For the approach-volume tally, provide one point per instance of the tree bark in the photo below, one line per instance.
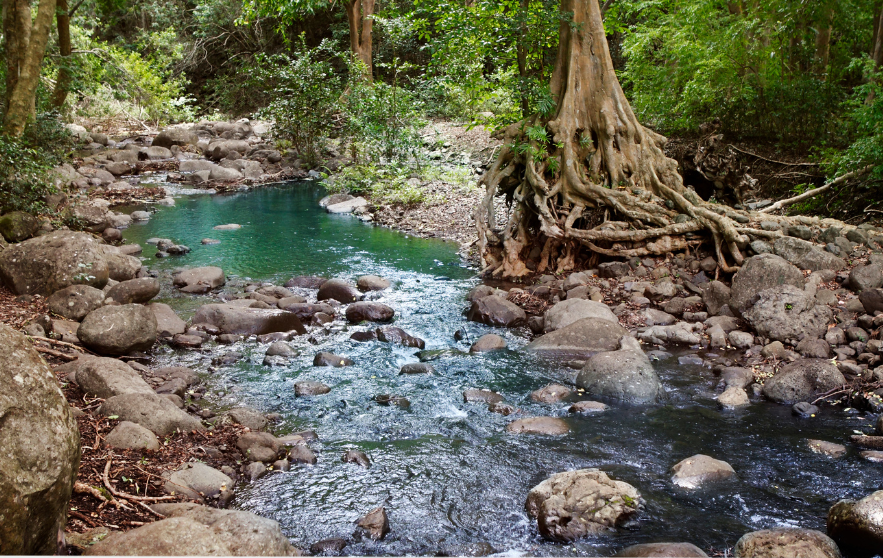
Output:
(21, 101)
(823, 41)
(63, 83)
(359, 16)
(877, 52)
(17, 30)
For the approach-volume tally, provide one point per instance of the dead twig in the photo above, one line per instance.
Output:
(57, 354)
(816, 191)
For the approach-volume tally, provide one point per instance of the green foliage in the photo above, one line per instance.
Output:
(305, 91)
(390, 184)
(864, 115)
(25, 164)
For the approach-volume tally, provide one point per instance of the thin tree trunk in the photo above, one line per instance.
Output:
(877, 52)
(521, 55)
(17, 30)
(358, 15)
(63, 83)
(823, 41)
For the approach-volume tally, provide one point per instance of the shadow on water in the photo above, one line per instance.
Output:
(446, 471)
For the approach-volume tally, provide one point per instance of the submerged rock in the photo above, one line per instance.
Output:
(489, 342)
(375, 523)
(330, 359)
(357, 457)
(496, 311)
(552, 393)
(575, 504)
(625, 375)
(698, 470)
(802, 380)
(548, 426)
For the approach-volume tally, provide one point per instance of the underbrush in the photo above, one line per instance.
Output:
(398, 184)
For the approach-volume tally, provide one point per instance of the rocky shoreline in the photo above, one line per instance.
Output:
(799, 324)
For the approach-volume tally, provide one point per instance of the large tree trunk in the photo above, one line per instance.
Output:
(823, 41)
(17, 31)
(877, 50)
(358, 15)
(595, 156)
(63, 83)
(21, 99)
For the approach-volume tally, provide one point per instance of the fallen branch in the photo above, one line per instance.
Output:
(773, 160)
(82, 517)
(134, 499)
(57, 354)
(58, 343)
(816, 191)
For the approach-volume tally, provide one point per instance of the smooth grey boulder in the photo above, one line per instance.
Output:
(372, 283)
(695, 471)
(259, 446)
(575, 504)
(786, 313)
(858, 524)
(200, 279)
(569, 311)
(339, 290)
(152, 411)
(624, 375)
(872, 300)
(75, 302)
(802, 380)
(760, 273)
(120, 267)
(488, 342)
(40, 450)
(864, 277)
(168, 323)
(307, 388)
(119, 330)
(806, 255)
(106, 377)
(248, 417)
(783, 543)
(496, 311)
(128, 435)
(48, 263)
(175, 136)
(134, 291)
(248, 321)
(582, 338)
(197, 481)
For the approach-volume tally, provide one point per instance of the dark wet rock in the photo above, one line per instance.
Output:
(200, 279)
(41, 450)
(328, 547)
(698, 470)
(481, 291)
(804, 410)
(75, 302)
(587, 407)
(200, 530)
(575, 504)
(255, 470)
(280, 348)
(51, 262)
(552, 393)
(330, 359)
(481, 396)
(871, 300)
(247, 321)
(369, 311)
(386, 400)
(258, 446)
(489, 342)
(106, 377)
(305, 311)
(197, 481)
(400, 337)
(417, 368)
(502, 408)
(857, 525)
(732, 398)
(152, 411)
(375, 523)
(546, 426)
(624, 375)
(582, 338)
(305, 282)
(611, 270)
(301, 453)
(186, 341)
(661, 550)
(372, 283)
(339, 290)
(784, 542)
(803, 379)
(788, 313)
(363, 336)
(569, 311)
(826, 448)
(496, 311)
(119, 330)
(357, 457)
(307, 388)
(227, 359)
(134, 291)
(760, 273)
(806, 255)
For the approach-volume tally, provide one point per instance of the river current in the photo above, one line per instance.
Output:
(446, 471)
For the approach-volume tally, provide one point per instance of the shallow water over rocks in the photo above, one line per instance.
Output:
(446, 471)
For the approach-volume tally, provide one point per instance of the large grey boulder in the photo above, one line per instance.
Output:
(197, 481)
(806, 255)
(154, 412)
(568, 311)
(624, 375)
(167, 537)
(137, 291)
(118, 330)
(51, 262)
(247, 321)
(40, 450)
(167, 321)
(496, 311)
(786, 313)
(802, 380)
(106, 377)
(858, 524)
(574, 504)
(699, 469)
(582, 338)
(864, 277)
(175, 136)
(760, 273)
(783, 543)
(120, 267)
(75, 302)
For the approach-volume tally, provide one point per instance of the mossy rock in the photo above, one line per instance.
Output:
(18, 226)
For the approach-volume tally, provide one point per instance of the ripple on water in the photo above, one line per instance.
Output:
(446, 470)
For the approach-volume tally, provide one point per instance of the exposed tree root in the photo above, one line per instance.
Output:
(593, 154)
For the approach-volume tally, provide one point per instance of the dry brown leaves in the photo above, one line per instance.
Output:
(19, 314)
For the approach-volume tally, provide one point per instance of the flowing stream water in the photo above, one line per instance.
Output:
(446, 471)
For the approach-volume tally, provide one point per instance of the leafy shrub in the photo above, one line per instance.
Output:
(391, 184)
